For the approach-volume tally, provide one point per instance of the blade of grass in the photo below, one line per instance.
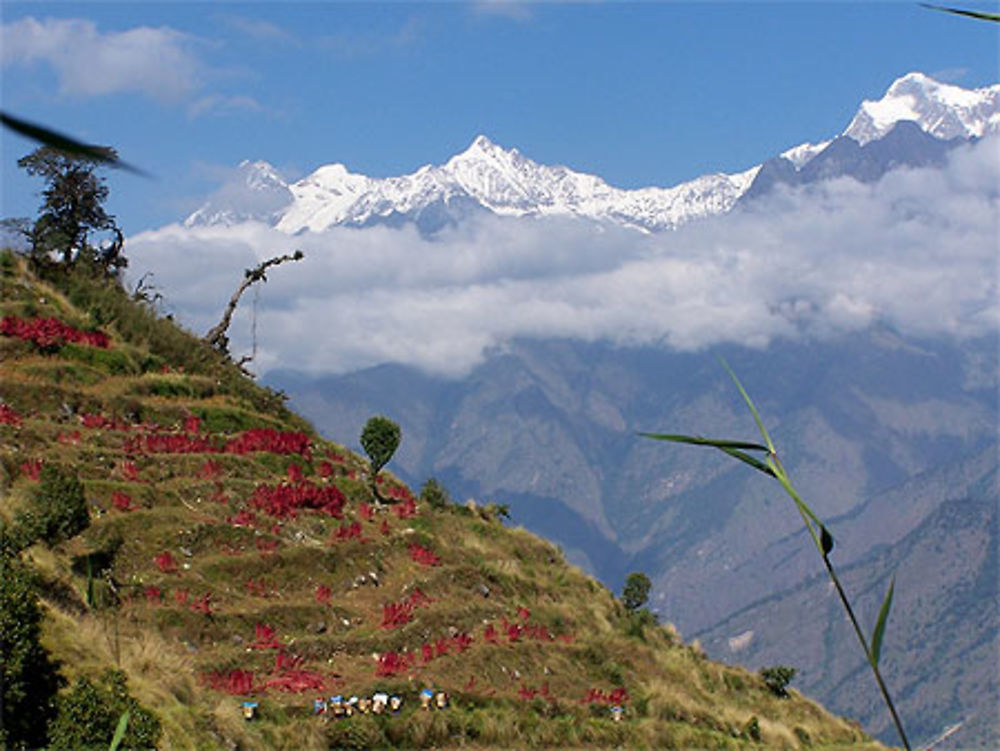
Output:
(883, 616)
(995, 17)
(750, 404)
(733, 448)
(824, 540)
(116, 741)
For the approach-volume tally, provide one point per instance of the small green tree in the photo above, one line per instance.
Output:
(28, 677)
(434, 494)
(73, 208)
(89, 713)
(635, 593)
(777, 678)
(380, 439)
(57, 510)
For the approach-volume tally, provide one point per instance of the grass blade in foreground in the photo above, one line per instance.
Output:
(771, 465)
(995, 17)
(120, 731)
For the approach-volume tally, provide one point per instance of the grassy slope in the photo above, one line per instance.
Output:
(155, 374)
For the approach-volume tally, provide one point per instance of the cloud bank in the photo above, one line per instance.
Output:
(157, 62)
(916, 251)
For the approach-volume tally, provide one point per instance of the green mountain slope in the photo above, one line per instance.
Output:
(233, 555)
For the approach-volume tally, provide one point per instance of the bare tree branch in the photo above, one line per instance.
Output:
(216, 337)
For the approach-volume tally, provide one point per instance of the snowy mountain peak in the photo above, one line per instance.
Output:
(943, 110)
(260, 175)
(255, 193)
(488, 177)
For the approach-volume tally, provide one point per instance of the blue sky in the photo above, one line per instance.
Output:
(639, 93)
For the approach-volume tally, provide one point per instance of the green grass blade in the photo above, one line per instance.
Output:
(734, 448)
(116, 741)
(65, 144)
(751, 460)
(995, 17)
(826, 540)
(750, 404)
(883, 616)
(699, 441)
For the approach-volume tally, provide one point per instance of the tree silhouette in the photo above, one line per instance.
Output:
(72, 209)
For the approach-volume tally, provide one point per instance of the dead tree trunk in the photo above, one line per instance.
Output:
(216, 337)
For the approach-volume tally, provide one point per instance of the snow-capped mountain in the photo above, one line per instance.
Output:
(487, 177)
(942, 110)
(257, 192)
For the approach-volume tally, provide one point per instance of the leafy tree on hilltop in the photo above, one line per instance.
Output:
(777, 678)
(72, 208)
(380, 439)
(635, 594)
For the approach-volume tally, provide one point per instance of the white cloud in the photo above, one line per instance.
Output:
(514, 10)
(916, 250)
(219, 103)
(157, 62)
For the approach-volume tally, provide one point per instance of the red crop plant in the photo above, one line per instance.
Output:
(617, 697)
(100, 422)
(166, 563)
(350, 531)
(395, 614)
(209, 470)
(265, 638)
(393, 663)
(32, 469)
(8, 416)
(121, 501)
(323, 594)
(153, 595)
(49, 334)
(272, 441)
(285, 500)
(405, 510)
(235, 682)
(129, 471)
(203, 604)
(423, 556)
(243, 518)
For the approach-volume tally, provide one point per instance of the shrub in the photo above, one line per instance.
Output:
(28, 678)
(360, 731)
(57, 510)
(751, 730)
(635, 593)
(434, 494)
(777, 678)
(89, 714)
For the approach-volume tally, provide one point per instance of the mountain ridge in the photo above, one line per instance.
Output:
(487, 177)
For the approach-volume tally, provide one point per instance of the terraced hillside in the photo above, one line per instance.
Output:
(233, 555)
